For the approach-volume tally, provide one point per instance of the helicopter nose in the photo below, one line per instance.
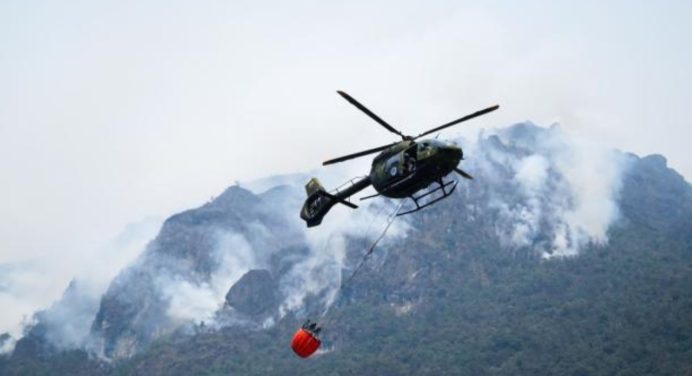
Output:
(453, 153)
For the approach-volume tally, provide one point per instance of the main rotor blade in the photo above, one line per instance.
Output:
(369, 113)
(356, 155)
(463, 173)
(457, 121)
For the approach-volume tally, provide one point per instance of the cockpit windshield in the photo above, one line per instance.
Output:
(423, 145)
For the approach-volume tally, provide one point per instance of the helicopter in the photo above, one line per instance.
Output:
(401, 170)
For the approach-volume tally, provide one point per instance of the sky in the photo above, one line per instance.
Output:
(116, 114)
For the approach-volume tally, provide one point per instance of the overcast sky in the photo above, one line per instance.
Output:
(112, 112)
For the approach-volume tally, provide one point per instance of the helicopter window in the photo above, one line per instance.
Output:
(393, 165)
(437, 143)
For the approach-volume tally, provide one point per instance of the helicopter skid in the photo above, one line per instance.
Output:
(445, 193)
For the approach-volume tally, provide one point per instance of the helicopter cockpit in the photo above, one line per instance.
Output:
(402, 164)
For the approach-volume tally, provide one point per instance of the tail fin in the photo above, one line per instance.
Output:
(313, 186)
(318, 203)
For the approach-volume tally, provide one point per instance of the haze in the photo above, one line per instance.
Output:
(117, 112)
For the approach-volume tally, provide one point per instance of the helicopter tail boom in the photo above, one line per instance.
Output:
(319, 201)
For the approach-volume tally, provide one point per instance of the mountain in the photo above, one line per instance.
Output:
(193, 250)
(558, 259)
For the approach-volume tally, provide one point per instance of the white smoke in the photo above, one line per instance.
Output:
(319, 274)
(189, 301)
(67, 320)
(552, 192)
(566, 186)
(20, 293)
(7, 345)
(316, 273)
(198, 301)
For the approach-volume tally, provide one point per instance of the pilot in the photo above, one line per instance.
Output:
(409, 163)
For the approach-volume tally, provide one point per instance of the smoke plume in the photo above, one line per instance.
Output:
(553, 192)
(549, 192)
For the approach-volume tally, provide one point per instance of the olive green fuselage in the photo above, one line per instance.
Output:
(407, 167)
(398, 172)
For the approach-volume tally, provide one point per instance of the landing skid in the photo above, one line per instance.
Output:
(445, 193)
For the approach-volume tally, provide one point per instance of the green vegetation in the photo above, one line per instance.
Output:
(450, 300)
(624, 309)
